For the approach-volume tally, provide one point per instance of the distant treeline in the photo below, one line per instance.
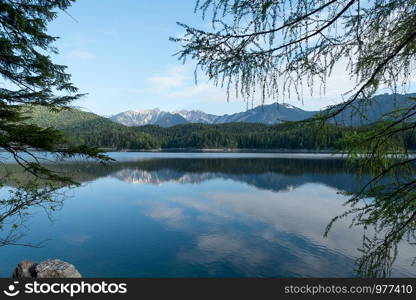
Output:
(87, 128)
(243, 136)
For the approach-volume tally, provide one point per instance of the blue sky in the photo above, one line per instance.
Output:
(120, 54)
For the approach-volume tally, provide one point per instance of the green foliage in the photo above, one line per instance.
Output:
(81, 128)
(244, 136)
(90, 129)
(30, 77)
(279, 47)
(87, 128)
(24, 62)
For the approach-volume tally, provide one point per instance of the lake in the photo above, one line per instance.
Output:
(201, 215)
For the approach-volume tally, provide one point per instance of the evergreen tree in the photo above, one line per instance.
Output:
(30, 77)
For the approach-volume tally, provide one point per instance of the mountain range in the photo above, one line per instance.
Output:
(237, 131)
(266, 114)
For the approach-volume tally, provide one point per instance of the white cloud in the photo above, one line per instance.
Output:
(165, 82)
(81, 54)
(191, 91)
(277, 211)
(173, 77)
(214, 247)
(177, 82)
(166, 213)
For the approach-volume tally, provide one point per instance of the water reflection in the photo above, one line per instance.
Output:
(267, 174)
(210, 217)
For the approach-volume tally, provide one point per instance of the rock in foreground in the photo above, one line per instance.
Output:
(25, 269)
(52, 268)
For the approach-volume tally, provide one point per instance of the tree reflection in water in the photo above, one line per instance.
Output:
(18, 200)
(385, 208)
(386, 204)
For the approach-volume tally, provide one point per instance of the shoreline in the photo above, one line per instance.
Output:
(223, 150)
(217, 150)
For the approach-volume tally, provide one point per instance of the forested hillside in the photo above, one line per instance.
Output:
(243, 136)
(87, 128)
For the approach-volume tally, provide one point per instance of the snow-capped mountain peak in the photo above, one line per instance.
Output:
(267, 114)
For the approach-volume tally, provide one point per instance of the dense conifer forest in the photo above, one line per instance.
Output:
(87, 128)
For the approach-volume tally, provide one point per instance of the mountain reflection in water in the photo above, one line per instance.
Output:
(202, 217)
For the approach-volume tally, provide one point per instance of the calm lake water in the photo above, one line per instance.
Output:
(201, 215)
